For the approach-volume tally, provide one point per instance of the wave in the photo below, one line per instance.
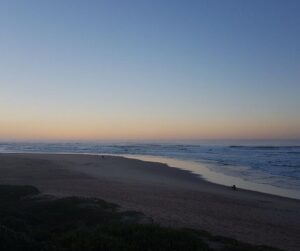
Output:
(264, 147)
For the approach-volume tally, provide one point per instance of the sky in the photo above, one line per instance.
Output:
(72, 70)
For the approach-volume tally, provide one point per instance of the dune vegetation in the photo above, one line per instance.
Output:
(31, 221)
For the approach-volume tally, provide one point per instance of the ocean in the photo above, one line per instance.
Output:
(268, 166)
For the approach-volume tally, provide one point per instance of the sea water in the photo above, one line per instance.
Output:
(264, 165)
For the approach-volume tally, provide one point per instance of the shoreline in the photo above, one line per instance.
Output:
(202, 170)
(199, 169)
(171, 196)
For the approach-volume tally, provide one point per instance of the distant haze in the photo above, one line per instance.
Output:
(159, 70)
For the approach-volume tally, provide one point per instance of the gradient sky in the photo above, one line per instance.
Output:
(149, 69)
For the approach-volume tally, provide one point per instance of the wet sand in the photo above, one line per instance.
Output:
(172, 197)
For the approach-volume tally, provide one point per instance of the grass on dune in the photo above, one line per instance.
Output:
(35, 222)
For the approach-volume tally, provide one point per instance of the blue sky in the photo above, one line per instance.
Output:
(150, 69)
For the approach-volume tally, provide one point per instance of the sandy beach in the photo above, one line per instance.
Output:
(170, 196)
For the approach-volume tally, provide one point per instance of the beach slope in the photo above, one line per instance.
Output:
(170, 196)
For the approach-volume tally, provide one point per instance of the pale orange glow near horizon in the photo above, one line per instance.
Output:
(143, 129)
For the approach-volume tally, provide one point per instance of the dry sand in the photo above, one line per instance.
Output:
(171, 196)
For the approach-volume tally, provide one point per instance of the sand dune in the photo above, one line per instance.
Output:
(170, 196)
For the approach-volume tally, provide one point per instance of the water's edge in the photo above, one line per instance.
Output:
(260, 166)
(207, 173)
(202, 169)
